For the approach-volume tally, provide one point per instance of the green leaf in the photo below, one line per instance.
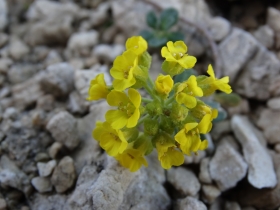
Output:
(176, 36)
(228, 100)
(213, 104)
(146, 34)
(151, 19)
(168, 18)
(157, 41)
(185, 75)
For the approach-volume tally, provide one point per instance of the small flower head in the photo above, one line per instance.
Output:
(128, 112)
(187, 92)
(122, 70)
(132, 159)
(164, 84)
(176, 52)
(220, 84)
(111, 140)
(98, 88)
(189, 136)
(136, 44)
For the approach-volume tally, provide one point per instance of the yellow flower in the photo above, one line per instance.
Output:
(164, 84)
(136, 44)
(132, 159)
(187, 91)
(168, 155)
(122, 70)
(111, 140)
(189, 136)
(202, 109)
(128, 108)
(98, 88)
(220, 84)
(176, 52)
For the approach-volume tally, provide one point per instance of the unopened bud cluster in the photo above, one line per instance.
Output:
(171, 120)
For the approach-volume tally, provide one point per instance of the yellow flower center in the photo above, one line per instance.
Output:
(126, 72)
(177, 56)
(127, 108)
(115, 137)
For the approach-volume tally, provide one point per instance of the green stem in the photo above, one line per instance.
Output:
(142, 119)
(168, 101)
(147, 100)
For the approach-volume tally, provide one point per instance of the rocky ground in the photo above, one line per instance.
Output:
(50, 50)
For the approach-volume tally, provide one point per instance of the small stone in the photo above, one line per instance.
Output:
(274, 103)
(232, 206)
(204, 175)
(76, 103)
(18, 49)
(63, 127)
(273, 19)
(241, 108)
(3, 204)
(80, 40)
(108, 53)
(189, 203)
(219, 28)
(45, 169)
(54, 149)
(265, 35)
(184, 181)
(3, 39)
(64, 175)
(220, 128)
(227, 166)
(53, 57)
(5, 63)
(41, 156)
(235, 50)
(58, 79)
(261, 172)
(100, 14)
(46, 102)
(3, 14)
(21, 72)
(42, 184)
(210, 193)
(277, 148)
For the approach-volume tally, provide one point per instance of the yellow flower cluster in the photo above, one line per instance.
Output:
(171, 120)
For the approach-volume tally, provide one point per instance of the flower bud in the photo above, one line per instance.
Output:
(151, 126)
(154, 109)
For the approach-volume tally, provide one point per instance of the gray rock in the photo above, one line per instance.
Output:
(58, 79)
(265, 35)
(17, 48)
(227, 166)
(241, 108)
(48, 202)
(108, 53)
(54, 149)
(3, 14)
(261, 173)
(21, 72)
(101, 191)
(64, 175)
(3, 39)
(219, 28)
(53, 57)
(45, 9)
(12, 176)
(210, 193)
(46, 103)
(269, 122)
(27, 93)
(3, 204)
(45, 169)
(235, 51)
(195, 158)
(50, 31)
(220, 128)
(277, 148)
(63, 127)
(274, 103)
(184, 181)
(204, 175)
(259, 75)
(232, 206)
(5, 63)
(189, 203)
(139, 195)
(80, 40)
(83, 78)
(99, 15)
(42, 184)
(77, 104)
(273, 18)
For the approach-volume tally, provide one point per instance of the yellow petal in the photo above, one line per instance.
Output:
(197, 91)
(188, 100)
(134, 97)
(180, 45)
(190, 126)
(187, 61)
(210, 71)
(205, 124)
(96, 133)
(114, 98)
(121, 85)
(118, 119)
(132, 121)
(167, 55)
(137, 44)
(203, 145)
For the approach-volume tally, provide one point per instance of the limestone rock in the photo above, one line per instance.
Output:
(219, 28)
(58, 79)
(45, 169)
(274, 103)
(261, 173)
(189, 203)
(210, 193)
(273, 18)
(63, 127)
(80, 40)
(108, 53)
(54, 149)
(204, 174)
(265, 35)
(42, 184)
(17, 48)
(64, 175)
(3, 14)
(184, 181)
(235, 50)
